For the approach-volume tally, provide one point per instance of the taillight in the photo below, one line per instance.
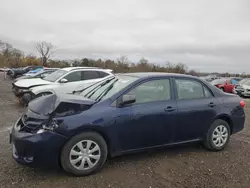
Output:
(242, 104)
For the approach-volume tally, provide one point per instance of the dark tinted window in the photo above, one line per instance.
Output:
(102, 74)
(151, 91)
(88, 75)
(74, 76)
(191, 89)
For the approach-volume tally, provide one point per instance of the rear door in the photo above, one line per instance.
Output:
(196, 109)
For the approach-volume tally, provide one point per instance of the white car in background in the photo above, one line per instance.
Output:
(64, 80)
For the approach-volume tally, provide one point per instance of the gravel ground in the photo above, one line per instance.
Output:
(183, 166)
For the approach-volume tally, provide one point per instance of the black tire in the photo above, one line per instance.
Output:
(26, 98)
(222, 89)
(65, 154)
(208, 141)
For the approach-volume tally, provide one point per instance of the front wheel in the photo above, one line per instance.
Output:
(84, 154)
(218, 136)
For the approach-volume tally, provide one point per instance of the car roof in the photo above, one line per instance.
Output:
(76, 68)
(155, 74)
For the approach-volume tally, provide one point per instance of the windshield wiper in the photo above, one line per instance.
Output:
(99, 97)
(92, 92)
(81, 90)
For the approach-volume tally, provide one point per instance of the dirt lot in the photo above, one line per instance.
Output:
(184, 166)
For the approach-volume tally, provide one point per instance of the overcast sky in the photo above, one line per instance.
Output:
(206, 35)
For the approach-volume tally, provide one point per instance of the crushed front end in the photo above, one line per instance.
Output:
(23, 94)
(34, 147)
(36, 137)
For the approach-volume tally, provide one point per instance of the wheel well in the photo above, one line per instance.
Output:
(87, 130)
(101, 133)
(45, 92)
(229, 121)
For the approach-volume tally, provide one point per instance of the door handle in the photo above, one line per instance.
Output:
(211, 104)
(169, 109)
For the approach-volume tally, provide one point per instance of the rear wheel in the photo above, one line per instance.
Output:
(84, 154)
(218, 136)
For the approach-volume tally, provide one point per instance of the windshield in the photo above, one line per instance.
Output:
(55, 75)
(107, 88)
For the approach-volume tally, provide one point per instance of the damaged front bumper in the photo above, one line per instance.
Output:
(35, 149)
(23, 94)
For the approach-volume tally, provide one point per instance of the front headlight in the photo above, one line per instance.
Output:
(51, 126)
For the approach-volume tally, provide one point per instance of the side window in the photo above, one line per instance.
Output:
(88, 75)
(207, 93)
(191, 89)
(74, 76)
(102, 74)
(151, 91)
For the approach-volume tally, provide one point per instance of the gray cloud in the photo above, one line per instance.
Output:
(206, 35)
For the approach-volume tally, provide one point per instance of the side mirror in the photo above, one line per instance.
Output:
(127, 99)
(63, 80)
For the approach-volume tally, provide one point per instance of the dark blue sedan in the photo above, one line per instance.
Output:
(122, 114)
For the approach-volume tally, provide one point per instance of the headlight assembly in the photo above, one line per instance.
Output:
(51, 126)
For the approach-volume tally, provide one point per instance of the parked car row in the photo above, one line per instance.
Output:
(17, 72)
(64, 80)
(243, 88)
(39, 73)
(226, 84)
(79, 116)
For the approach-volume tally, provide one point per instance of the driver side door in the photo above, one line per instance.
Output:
(149, 121)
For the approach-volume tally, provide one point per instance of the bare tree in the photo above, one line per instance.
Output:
(7, 51)
(17, 55)
(45, 50)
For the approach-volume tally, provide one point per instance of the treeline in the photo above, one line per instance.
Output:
(12, 57)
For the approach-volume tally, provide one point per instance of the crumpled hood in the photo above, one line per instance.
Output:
(44, 88)
(27, 83)
(46, 105)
